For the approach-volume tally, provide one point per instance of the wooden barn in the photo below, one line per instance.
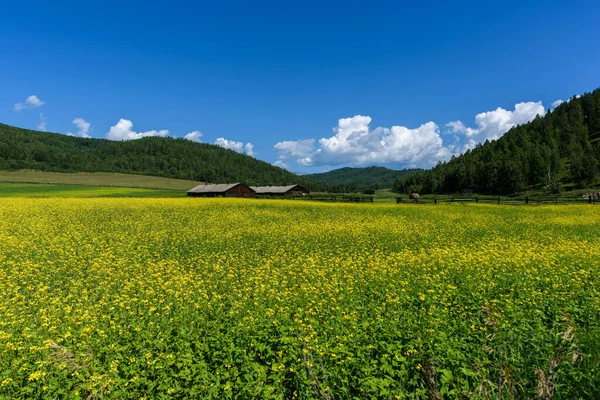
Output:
(221, 189)
(292, 190)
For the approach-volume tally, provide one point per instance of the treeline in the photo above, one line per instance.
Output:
(561, 148)
(361, 179)
(167, 157)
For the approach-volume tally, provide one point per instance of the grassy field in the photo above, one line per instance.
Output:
(97, 179)
(227, 298)
(386, 196)
(64, 191)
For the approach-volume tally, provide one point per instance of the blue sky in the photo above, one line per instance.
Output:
(309, 85)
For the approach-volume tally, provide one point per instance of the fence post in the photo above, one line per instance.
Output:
(476, 199)
(556, 200)
(498, 199)
(434, 201)
(526, 199)
(453, 199)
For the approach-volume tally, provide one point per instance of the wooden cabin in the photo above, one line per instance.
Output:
(292, 190)
(221, 189)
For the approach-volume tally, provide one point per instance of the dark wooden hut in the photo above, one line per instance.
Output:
(291, 190)
(221, 189)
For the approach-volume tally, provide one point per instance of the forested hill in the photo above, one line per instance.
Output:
(558, 150)
(168, 157)
(363, 178)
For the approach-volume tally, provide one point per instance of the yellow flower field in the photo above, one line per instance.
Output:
(225, 298)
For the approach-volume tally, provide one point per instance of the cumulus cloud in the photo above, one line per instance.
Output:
(240, 147)
(83, 128)
(42, 125)
(230, 144)
(493, 124)
(123, 131)
(455, 127)
(30, 103)
(355, 143)
(296, 148)
(305, 161)
(249, 149)
(557, 103)
(194, 136)
(293, 149)
(281, 164)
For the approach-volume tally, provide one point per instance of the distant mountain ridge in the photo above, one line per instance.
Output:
(558, 150)
(363, 178)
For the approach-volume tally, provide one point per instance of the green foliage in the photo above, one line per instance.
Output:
(220, 298)
(166, 157)
(97, 179)
(358, 179)
(561, 148)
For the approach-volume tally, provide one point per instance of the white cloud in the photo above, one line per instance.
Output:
(281, 164)
(194, 136)
(42, 125)
(30, 103)
(456, 127)
(230, 144)
(248, 148)
(83, 128)
(122, 131)
(351, 137)
(298, 149)
(493, 124)
(557, 103)
(294, 148)
(305, 161)
(458, 148)
(355, 143)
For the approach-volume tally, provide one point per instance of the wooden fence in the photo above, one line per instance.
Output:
(335, 198)
(341, 198)
(503, 200)
(345, 198)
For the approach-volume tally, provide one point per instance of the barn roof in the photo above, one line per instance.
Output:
(273, 189)
(213, 188)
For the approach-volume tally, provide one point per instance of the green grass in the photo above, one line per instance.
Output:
(386, 196)
(8, 189)
(97, 179)
(89, 184)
